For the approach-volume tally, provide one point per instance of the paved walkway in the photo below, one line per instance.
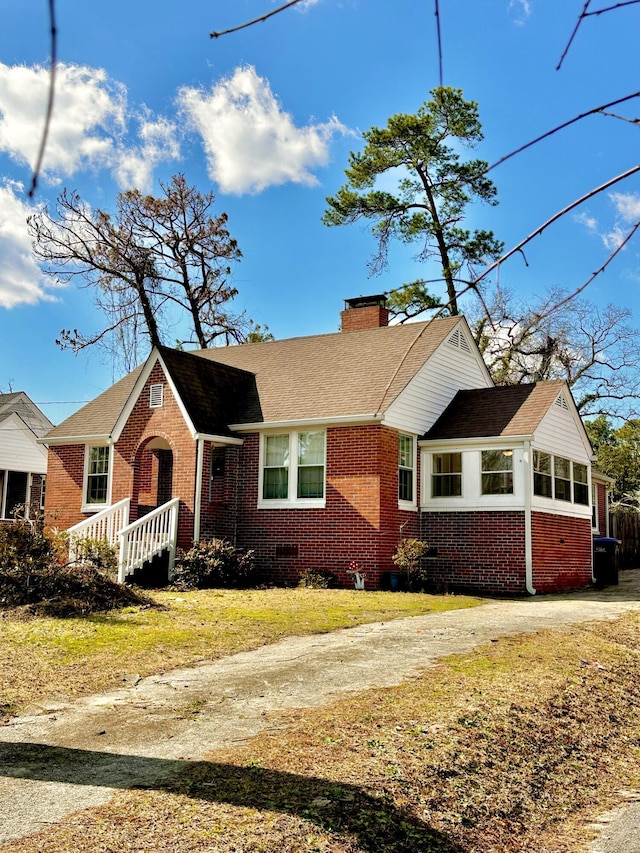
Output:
(71, 757)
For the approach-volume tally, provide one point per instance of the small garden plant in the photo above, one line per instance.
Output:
(214, 563)
(407, 558)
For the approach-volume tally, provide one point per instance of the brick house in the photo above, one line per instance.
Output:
(318, 451)
(23, 461)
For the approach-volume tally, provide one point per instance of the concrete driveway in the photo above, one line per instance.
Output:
(66, 758)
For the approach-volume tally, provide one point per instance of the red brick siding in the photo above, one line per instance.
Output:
(602, 508)
(360, 522)
(65, 469)
(131, 476)
(369, 317)
(476, 551)
(562, 557)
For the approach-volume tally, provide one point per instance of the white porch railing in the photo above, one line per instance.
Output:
(104, 525)
(141, 540)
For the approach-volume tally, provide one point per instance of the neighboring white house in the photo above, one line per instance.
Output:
(23, 461)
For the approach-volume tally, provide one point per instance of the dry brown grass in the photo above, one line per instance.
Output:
(51, 659)
(511, 749)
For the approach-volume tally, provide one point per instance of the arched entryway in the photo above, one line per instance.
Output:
(153, 476)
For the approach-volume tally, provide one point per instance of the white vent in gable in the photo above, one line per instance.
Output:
(155, 396)
(459, 341)
(561, 402)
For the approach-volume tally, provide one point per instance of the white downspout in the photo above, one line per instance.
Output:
(198, 495)
(528, 537)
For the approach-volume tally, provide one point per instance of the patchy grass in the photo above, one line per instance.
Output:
(49, 659)
(512, 749)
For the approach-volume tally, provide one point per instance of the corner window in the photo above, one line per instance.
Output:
(542, 483)
(293, 467)
(580, 484)
(97, 477)
(497, 472)
(446, 476)
(562, 478)
(406, 469)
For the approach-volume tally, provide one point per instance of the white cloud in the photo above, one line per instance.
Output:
(88, 126)
(159, 142)
(627, 208)
(21, 281)
(519, 10)
(89, 112)
(250, 141)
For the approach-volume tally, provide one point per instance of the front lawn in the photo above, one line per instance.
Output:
(46, 659)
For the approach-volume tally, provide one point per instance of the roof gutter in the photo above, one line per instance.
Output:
(342, 420)
(217, 439)
(528, 534)
(77, 439)
(481, 441)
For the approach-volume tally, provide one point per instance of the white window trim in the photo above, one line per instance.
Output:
(292, 502)
(559, 502)
(87, 507)
(411, 505)
(595, 506)
(508, 452)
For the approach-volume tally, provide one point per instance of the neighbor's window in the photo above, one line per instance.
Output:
(405, 468)
(446, 475)
(561, 478)
(497, 472)
(542, 481)
(97, 475)
(293, 467)
(580, 484)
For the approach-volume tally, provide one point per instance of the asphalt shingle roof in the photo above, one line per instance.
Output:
(483, 412)
(307, 378)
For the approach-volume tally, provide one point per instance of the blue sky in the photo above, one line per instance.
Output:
(266, 118)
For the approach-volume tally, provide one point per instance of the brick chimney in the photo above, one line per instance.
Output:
(365, 312)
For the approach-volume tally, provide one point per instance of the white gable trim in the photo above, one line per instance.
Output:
(154, 358)
(25, 454)
(454, 365)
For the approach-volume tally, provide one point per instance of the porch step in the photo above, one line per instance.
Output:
(152, 573)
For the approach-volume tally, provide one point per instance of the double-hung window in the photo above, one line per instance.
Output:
(97, 476)
(293, 467)
(562, 478)
(580, 484)
(497, 472)
(406, 469)
(542, 480)
(446, 475)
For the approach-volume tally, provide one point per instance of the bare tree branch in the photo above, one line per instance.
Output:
(589, 14)
(553, 219)
(259, 20)
(598, 271)
(437, 14)
(52, 86)
(573, 34)
(611, 8)
(565, 124)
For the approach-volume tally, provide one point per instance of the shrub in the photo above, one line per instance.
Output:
(34, 573)
(407, 558)
(213, 563)
(98, 554)
(316, 579)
